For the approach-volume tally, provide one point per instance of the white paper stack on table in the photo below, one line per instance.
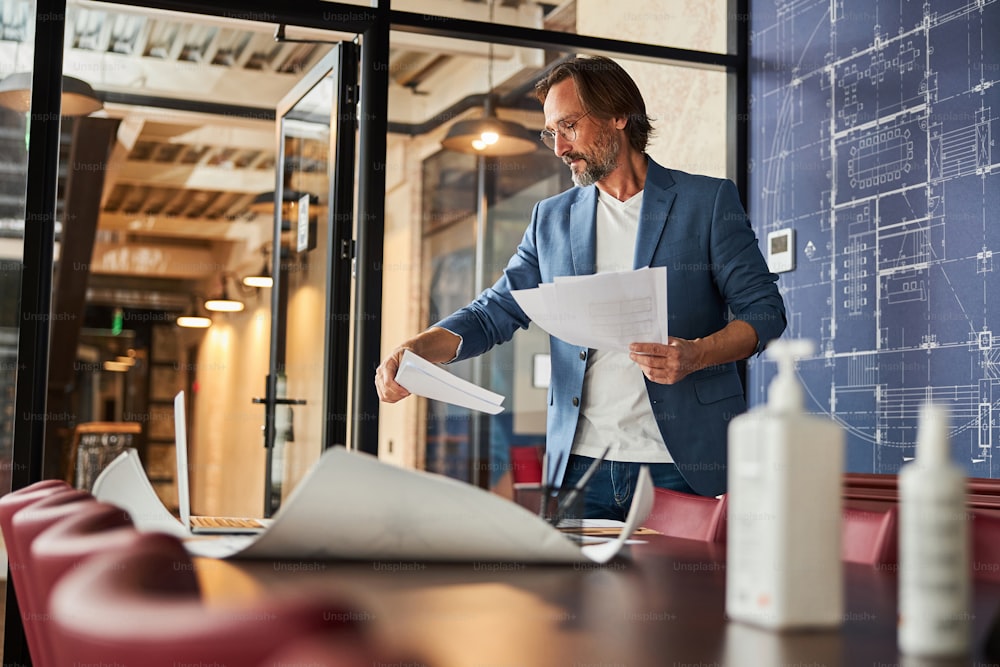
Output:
(421, 377)
(604, 311)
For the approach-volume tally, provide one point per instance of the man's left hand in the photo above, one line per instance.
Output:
(667, 364)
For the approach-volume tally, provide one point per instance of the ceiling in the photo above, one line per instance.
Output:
(194, 97)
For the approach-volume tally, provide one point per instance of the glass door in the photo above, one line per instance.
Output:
(307, 385)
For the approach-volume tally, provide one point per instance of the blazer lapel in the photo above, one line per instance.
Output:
(657, 198)
(583, 232)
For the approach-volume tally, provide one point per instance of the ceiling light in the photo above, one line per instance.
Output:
(259, 281)
(194, 322)
(489, 135)
(263, 277)
(78, 98)
(222, 303)
(116, 366)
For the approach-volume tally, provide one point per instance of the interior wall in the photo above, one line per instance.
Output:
(402, 425)
(688, 105)
(872, 126)
(227, 447)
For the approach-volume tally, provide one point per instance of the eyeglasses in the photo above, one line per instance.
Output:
(566, 130)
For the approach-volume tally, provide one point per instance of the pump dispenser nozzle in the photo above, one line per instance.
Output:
(932, 435)
(785, 393)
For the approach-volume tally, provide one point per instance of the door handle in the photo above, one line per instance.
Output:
(281, 401)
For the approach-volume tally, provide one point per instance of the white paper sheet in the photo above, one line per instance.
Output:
(353, 506)
(604, 311)
(421, 377)
(123, 482)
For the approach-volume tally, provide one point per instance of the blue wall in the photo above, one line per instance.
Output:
(873, 132)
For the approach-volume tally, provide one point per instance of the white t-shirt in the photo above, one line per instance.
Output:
(614, 409)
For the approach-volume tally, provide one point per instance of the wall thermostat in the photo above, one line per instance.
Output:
(781, 250)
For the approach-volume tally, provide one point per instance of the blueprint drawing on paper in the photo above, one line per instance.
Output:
(873, 132)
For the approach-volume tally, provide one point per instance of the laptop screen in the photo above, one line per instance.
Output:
(181, 454)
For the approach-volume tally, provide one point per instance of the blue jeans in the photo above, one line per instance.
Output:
(609, 491)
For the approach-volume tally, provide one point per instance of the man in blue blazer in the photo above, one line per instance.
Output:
(664, 405)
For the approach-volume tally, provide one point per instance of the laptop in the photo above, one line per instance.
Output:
(201, 525)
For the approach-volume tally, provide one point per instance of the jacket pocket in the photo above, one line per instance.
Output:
(718, 387)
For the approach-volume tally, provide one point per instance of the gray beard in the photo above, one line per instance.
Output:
(599, 168)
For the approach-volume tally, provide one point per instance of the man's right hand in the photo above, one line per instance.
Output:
(435, 345)
(385, 378)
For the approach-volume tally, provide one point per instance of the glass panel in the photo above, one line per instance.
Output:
(430, 261)
(688, 24)
(179, 223)
(16, 53)
(304, 287)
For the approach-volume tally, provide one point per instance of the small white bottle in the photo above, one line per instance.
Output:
(934, 561)
(783, 562)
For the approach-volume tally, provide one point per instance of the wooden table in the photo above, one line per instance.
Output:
(663, 606)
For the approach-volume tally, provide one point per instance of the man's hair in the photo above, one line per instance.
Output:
(606, 90)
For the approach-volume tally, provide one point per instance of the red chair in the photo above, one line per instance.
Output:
(17, 500)
(985, 530)
(870, 537)
(24, 514)
(141, 605)
(526, 474)
(92, 528)
(687, 515)
(526, 464)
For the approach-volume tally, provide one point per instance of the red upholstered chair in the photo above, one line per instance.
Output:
(870, 536)
(687, 515)
(16, 500)
(526, 474)
(22, 522)
(141, 605)
(10, 504)
(526, 464)
(985, 529)
(90, 529)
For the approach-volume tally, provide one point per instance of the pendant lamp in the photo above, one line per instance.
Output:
(489, 135)
(78, 98)
(223, 303)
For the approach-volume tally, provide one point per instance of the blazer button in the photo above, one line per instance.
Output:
(583, 355)
(576, 402)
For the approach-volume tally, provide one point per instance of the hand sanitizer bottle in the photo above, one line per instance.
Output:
(934, 562)
(783, 562)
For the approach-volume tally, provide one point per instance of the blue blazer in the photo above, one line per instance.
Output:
(696, 227)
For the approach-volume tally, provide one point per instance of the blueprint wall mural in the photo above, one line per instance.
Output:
(873, 132)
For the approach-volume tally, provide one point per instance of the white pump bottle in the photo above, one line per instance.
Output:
(783, 566)
(934, 562)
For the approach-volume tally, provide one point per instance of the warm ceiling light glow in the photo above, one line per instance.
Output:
(193, 322)
(116, 366)
(224, 305)
(258, 281)
(489, 136)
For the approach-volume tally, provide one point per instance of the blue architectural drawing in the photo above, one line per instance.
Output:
(874, 125)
